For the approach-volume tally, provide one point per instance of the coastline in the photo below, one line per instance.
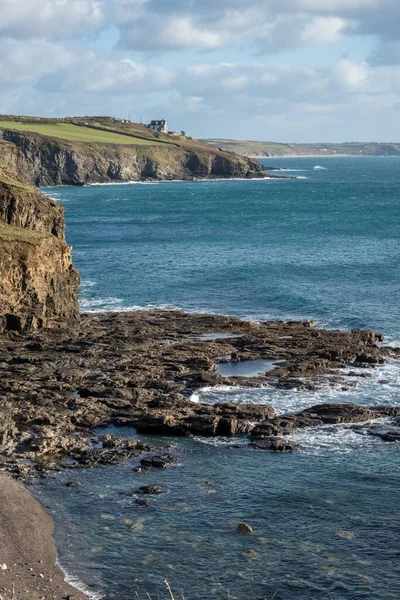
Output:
(28, 555)
(26, 543)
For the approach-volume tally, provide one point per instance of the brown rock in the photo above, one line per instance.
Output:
(244, 528)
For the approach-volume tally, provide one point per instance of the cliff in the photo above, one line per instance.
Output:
(38, 283)
(57, 161)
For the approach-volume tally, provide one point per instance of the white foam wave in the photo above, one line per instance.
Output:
(91, 305)
(392, 344)
(55, 197)
(293, 170)
(116, 305)
(337, 438)
(319, 168)
(200, 180)
(383, 388)
(223, 441)
(88, 284)
(199, 395)
(301, 177)
(78, 584)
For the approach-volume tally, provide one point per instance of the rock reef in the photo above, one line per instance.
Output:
(140, 369)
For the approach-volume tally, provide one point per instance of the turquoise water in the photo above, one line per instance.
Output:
(325, 247)
(325, 518)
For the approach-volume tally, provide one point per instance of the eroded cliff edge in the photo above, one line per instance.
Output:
(55, 161)
(38, 283)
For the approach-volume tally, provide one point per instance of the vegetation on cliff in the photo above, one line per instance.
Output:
(38, 281)
(80, 151)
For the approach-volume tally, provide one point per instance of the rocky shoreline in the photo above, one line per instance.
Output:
(57, 387)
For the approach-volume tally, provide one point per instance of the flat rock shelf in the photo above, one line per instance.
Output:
(140, 369)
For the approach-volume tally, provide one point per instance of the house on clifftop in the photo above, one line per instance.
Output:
(160, 126)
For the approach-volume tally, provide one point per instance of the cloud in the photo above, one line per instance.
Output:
(268, 26)
(49, 18)
(51, 59)
(273, 37)
(173, 33)
(26, 62)
(387, 53)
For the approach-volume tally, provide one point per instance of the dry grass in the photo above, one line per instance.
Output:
(9, 233)
(182, 597)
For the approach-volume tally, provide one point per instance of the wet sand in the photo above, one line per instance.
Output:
(28, 569)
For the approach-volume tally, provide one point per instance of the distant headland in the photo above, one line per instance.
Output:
(260, 149)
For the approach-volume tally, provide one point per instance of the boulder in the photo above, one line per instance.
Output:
(244, 528)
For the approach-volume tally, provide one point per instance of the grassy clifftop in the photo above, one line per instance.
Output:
(58, 152)
(75, 133)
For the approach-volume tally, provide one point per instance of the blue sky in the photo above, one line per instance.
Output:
(284, 70)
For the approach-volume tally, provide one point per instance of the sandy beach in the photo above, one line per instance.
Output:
(28, 569)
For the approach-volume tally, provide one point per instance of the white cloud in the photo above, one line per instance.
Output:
(50, 60)
(173, 33)
(25, 19)
(352, 76)
(265, 24)
(26, 62)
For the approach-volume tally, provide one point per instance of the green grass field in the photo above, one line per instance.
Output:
(76, 133)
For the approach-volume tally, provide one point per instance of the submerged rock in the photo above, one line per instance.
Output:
(150, 490)
(244, 528)
(159, 461)
(274, 444)
(142, 502)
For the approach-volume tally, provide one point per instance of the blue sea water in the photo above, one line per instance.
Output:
(323, 246)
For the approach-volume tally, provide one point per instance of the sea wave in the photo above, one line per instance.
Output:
(111, 304)
(100, 304)
(383, 388)
(78, 584)
(319, 168)
(200, 180)
(338, 438)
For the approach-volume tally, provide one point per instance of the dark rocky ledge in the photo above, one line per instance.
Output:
(139, 369)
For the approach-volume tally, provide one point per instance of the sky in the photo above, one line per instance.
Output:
(281, 70)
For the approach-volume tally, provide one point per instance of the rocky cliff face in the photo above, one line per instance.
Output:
(59, 162)
(38, 283)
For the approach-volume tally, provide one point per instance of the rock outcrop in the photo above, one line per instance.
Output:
(55, 161)
(138, 369)
(38, 281)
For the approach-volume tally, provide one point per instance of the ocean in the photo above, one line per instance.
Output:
(323, 246)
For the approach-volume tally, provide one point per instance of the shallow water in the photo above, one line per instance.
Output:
(325, 518)
(313, 538)
(246, 368)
